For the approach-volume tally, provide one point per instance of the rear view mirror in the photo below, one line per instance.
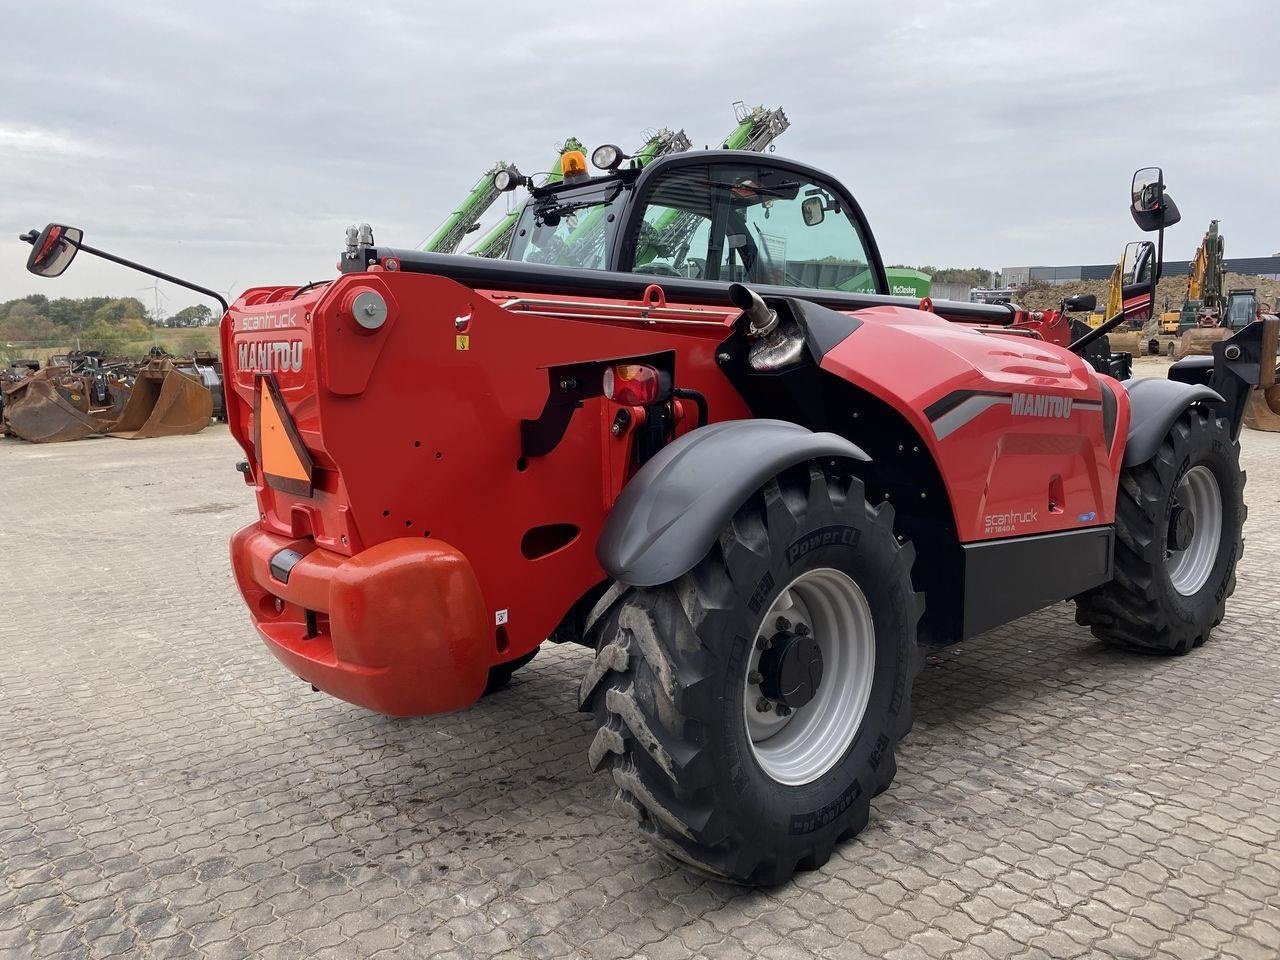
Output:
(53, 249)
(1152, 208)
(1148, 184)
(812, 211)
(1080, 303)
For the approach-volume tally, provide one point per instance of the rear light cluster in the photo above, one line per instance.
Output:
(634, 384)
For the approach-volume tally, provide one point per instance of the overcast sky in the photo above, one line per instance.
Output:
(231, 142)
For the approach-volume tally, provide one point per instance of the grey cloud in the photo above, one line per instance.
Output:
(232, 142)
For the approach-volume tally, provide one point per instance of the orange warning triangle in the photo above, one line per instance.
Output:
(284, 459)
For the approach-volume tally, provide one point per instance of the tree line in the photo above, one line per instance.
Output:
(95, 323)
(970, 276)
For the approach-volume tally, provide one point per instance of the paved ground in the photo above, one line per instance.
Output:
(168, 790)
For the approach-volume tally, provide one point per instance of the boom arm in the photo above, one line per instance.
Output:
(496, 241)
(588, 236)
(463, 220)
(1212, 275)
(756, 130)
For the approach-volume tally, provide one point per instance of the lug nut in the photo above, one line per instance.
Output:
(782, 710)
(783, 623)
(763, 643)
(755, 676)
(802, 629)
(763, 705)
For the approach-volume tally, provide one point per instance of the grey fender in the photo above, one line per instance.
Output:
(668, 516)
(1154, 405)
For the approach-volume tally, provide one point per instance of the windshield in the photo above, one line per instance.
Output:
(1243, 311)
(570, 228)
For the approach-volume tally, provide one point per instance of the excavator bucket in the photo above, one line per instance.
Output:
(1127, 341)
(1199, 341)
(53, 405)
(165, 403)
(1263, 410)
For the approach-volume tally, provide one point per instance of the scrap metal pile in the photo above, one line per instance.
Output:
(83, 394)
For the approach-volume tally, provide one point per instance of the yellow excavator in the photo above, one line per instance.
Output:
(1200, 322)
(1193, 327)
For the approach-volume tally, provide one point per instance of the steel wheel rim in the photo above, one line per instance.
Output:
(799, 748)
(1189, 569)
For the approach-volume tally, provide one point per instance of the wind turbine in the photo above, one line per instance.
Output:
(159, 295)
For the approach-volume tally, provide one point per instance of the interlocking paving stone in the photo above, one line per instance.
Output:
(167, 789)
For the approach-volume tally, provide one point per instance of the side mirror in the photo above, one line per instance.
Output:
(813, 212)
(53, 249)
(1152, 208)
(1080, 303)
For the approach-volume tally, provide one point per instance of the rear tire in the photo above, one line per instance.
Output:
(1162, 599)
(672, 685)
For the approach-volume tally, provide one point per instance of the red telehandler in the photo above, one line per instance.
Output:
(659, 429)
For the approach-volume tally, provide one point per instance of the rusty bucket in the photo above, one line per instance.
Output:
(1263, 409)
(54, 405)
(1199, 341)
(165, 403)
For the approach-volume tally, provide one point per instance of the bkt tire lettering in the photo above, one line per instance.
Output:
(270, 356)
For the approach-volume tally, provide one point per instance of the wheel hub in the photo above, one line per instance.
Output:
(1195, 530)
(791, 669)
(1182, 528)
(809, 676)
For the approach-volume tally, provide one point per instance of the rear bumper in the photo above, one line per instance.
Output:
(399, 628)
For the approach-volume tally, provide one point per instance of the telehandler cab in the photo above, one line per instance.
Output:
(662, 429)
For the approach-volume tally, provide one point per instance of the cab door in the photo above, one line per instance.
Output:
(750, 220)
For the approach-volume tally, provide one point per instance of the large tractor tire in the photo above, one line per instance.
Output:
(1179, 518)
(749, 710)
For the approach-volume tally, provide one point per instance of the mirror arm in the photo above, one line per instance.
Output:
(1159, 265)
(1100, 331)
(156, 273)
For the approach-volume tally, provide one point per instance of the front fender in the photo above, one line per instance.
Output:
(1154, 405)
(668, 516)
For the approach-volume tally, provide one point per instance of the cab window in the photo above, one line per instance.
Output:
(675, 229)
(569, 228)
(752, 223)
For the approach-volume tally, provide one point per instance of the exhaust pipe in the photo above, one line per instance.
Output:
(761, 318)
(773, 346)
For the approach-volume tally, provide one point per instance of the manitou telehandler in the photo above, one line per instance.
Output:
(752, 498)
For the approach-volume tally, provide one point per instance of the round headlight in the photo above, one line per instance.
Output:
(606, 156)
(506, 179)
